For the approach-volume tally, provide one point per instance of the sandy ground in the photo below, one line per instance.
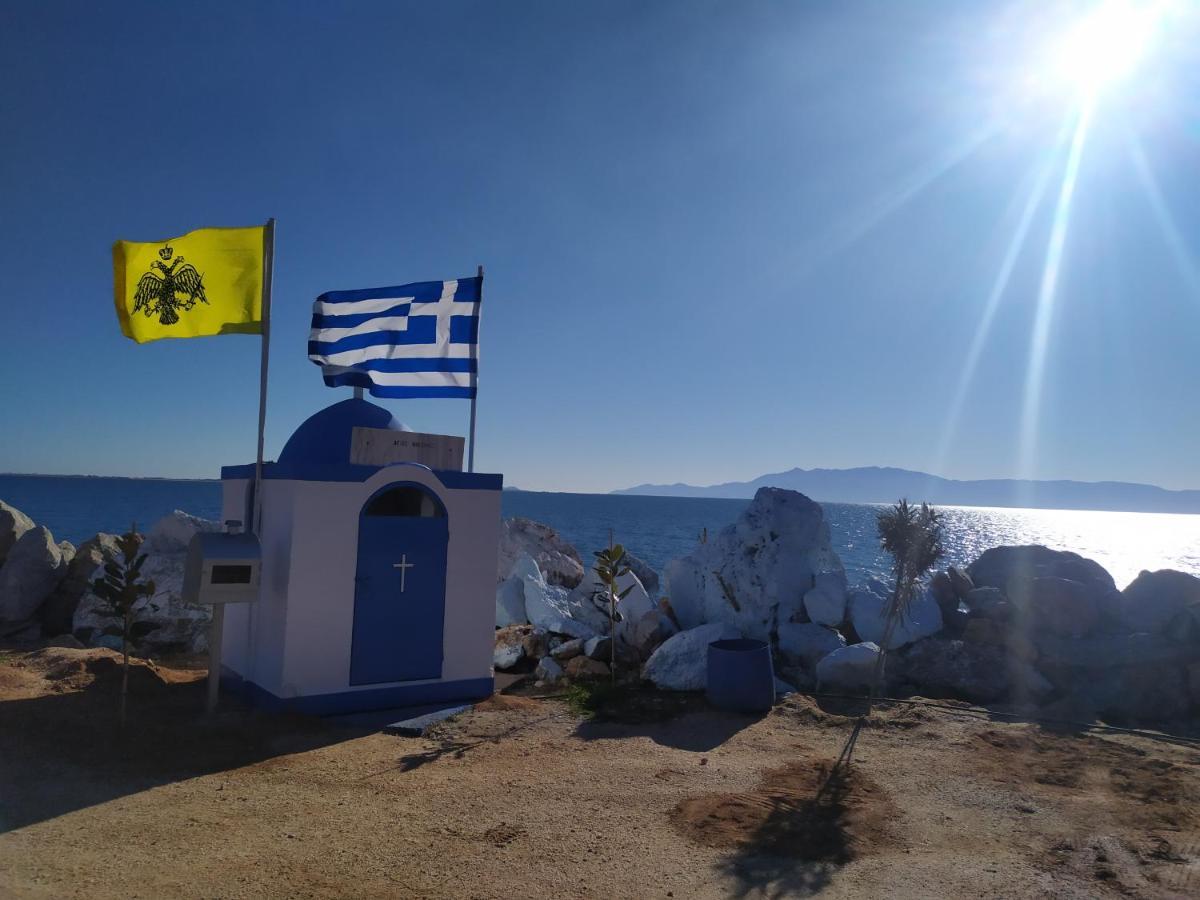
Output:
(522, 798)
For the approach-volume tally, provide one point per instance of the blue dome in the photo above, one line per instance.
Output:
(325, 436)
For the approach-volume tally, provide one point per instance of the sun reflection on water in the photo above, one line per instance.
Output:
(1123, 542)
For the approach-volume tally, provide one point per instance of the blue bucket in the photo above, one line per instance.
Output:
(740, 675)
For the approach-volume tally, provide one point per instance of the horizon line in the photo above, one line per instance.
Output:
(648, 484)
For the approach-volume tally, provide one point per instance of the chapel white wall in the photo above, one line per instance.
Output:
(324, 561)
(302, 626)
(253, 637)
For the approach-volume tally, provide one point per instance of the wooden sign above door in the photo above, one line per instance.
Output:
(382, 447)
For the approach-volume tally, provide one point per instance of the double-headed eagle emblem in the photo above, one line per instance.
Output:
(159, 295)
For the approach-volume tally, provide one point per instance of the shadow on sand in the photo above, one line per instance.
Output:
(792, 833)
(683, 721)
(456, 748)
(63, 752)
(768, 864)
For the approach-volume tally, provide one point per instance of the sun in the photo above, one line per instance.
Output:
(1106, 46)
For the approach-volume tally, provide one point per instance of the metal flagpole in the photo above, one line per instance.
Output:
(214, 640)
(475, 378)
(268, 273)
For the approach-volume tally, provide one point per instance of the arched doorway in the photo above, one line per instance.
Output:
(400, 586)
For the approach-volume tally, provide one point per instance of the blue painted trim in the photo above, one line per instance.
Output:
(470, 481)
(359, 701)
(458, 481)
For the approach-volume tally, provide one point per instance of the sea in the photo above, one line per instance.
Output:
(658, 529)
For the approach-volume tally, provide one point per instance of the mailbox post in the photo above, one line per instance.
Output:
(221, 568)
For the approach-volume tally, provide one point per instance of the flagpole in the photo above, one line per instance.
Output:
(475, 378)
(268, 275)
(255, 524)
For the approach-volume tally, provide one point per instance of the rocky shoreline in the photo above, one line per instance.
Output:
(1028, 627)
(46, 597)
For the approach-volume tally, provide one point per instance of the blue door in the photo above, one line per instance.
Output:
(400, 587)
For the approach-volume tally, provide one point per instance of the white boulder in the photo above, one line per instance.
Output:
(868, 614)
(632, 608)
(825, 603)
(510, 602)
(599, 647)
(681, 662)
(172, 533)
(807, 643)
(997, 566)
(536, 641)
(567, 649)
(164, 621)
(526, 567)
(549, 607)
(979, 673)
(589, 603)
(581, 667)
(989, 603)
(558, 560)
(755, 573)
(646, 575)
(648, 632)
(848, 667)
(1155, 600)
(34, 567)
(505, 655)
(548, 670)
(13, 524)
(58, 611)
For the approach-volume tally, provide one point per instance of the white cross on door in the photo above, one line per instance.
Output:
(404, 565)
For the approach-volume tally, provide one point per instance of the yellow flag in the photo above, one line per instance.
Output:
(207, 282)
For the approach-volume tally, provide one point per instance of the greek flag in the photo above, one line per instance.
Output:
(413, 340)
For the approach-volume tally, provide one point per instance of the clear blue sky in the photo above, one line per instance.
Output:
(721, 239)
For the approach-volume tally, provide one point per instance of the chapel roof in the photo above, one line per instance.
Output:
(324, 437)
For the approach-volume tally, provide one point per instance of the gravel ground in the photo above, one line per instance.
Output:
(522, 798)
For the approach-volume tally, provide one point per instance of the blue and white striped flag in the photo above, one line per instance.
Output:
(413, 340)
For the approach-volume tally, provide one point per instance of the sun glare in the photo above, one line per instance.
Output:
(1106, 46)
(1100, 51)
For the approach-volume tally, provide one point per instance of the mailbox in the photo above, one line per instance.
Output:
(222, 568)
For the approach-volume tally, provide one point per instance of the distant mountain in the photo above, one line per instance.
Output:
(886, 485)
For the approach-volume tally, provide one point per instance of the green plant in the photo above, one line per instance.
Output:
(119, 589)
(610, 567)
(912, 536)
(588, 699)
(602, 701)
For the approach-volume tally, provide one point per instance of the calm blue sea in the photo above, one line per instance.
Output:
(661, 528)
